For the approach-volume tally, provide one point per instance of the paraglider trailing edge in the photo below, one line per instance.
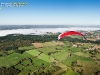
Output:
(67, 33)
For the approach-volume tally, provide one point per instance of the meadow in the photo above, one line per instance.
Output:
(53, 58)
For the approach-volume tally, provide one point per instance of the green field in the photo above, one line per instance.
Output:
(98, 56)
(60, 55)
(74, 58)
(26, 48)
(51, 59)
(71, 73)
(33, 52)
(82, 54)
(10, 60)
(89, 67)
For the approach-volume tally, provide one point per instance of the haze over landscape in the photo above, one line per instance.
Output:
(38, 30)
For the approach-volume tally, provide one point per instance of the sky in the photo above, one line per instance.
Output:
(51, 12)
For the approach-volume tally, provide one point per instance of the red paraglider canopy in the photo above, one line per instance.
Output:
(70, 33)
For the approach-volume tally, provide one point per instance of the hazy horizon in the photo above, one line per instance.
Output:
(38, 31)
(44, 25)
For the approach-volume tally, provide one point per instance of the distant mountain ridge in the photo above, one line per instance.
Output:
(10, 27)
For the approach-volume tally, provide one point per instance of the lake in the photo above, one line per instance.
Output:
(38, 31)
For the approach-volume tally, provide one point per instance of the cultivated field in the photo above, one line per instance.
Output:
(54, 58)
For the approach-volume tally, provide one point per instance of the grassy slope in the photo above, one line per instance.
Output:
(82, 54)
(74, 58)
(71, 73)
(88, 67)
(38, 60)
(26, 48)
(10, 60)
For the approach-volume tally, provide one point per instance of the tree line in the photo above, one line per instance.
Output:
(12, 41)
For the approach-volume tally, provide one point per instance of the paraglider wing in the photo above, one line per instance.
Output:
(70, 33)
